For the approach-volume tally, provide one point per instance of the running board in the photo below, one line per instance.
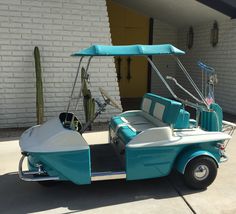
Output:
(102, 176)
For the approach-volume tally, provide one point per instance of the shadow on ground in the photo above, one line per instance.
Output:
(26, 197)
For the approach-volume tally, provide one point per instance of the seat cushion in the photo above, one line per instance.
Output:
(135, 122)
(127, 127)
(115, 122)
(135, 119)
(126, 133)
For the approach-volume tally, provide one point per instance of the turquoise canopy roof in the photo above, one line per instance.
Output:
(128, 50)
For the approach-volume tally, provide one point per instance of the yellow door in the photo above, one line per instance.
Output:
(128, 27)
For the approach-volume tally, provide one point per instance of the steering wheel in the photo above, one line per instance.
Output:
(111, 100)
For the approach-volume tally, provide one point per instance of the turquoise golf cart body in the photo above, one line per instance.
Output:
(146, 143)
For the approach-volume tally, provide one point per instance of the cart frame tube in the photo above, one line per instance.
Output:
(188, 103)
(73, 88)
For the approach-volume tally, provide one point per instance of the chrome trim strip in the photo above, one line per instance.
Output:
(101, 176)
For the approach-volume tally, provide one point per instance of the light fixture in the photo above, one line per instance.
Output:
(214, 34)
(190, 37)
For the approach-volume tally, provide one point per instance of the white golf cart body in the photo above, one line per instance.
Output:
(145, 143)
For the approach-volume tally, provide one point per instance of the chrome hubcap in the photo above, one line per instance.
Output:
(201, 172)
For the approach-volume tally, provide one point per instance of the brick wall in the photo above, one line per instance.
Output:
(58, 28)
(222, 58)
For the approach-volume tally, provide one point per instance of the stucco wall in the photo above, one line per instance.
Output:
(58, 28)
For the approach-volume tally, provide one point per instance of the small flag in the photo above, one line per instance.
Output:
(209, 99)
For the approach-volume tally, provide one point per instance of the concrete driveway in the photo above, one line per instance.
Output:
(165, 195)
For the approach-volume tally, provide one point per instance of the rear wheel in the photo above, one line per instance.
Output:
(200, 172)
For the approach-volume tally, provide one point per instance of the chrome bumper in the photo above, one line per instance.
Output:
(30, 175)
(223, 158)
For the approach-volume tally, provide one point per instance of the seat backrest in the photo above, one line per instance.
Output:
(161, 108)
(146, 104)
(182, 121)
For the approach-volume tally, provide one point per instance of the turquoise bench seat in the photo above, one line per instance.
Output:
(156, 111)
(138, 122)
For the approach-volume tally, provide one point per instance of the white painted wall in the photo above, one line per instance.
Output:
(58, 28)
(163, 34)
(222, 58)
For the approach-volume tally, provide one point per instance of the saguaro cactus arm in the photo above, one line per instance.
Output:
(39, 87)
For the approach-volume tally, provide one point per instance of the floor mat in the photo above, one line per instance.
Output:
(104, 158)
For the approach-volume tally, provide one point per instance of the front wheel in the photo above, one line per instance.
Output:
(200, 172)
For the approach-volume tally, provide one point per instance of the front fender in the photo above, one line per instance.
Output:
(184, 159)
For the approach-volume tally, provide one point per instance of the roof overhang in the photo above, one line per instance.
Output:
(227, 7)
(179, 13)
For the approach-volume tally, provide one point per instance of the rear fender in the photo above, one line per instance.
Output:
(190, 155)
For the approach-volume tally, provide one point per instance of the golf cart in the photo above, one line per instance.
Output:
(145, 143)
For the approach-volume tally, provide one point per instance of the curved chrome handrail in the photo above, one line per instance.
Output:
(27, 175)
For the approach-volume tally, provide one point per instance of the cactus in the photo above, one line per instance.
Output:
(39, 87)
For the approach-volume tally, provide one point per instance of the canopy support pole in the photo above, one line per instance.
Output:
(81, 88)
(191, 80)
(161, 77)
(73, 88)
(186, 102)
(184, 89)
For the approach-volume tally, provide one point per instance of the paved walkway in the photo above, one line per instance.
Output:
(165, 195)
